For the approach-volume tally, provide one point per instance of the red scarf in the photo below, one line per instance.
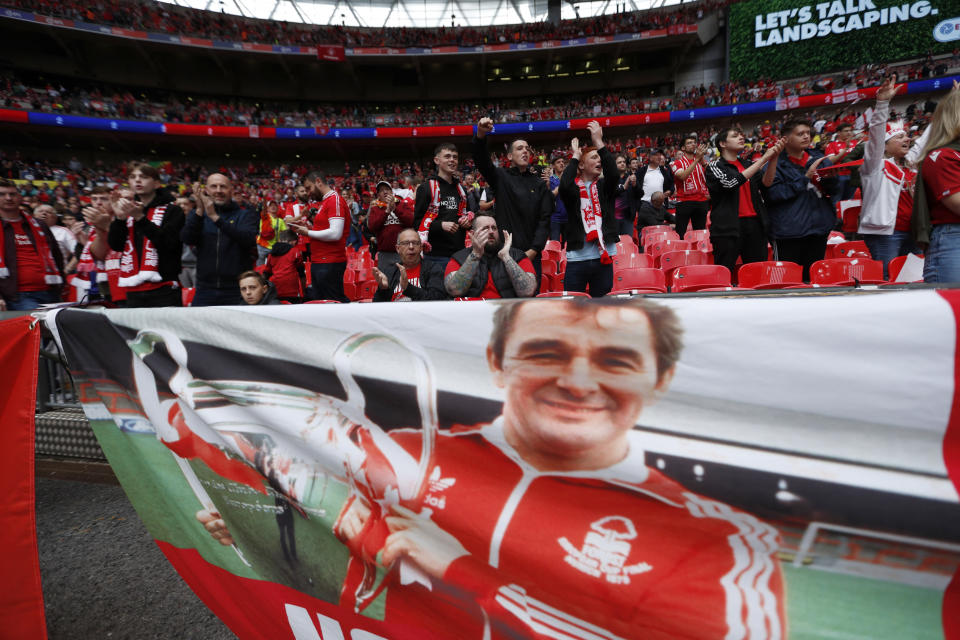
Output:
(88, 265)
(434, 207)
(592, 218)
(135, 269)
(52, 275)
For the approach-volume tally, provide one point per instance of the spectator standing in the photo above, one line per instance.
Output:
(66, 241)
(410, 278)
(936, 208)
(655, 176)
(489, 268)
(626, 183)
(887, 184)
(188, 258)
(286, 269)
(558, 219)
(31, 267)
(739, 214)
(328, 239)
(224, 235)
(524, 203)
(387, 216)
(146, 231)
(798, 201)
(836, 151)
(591, 230)
(271, 224)
(691, 187)
(440, 211)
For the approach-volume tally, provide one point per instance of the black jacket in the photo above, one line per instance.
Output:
(226, 248)
(8, 285)
(165, 238)
(490, 265)
(667, 179)
(442, 243)
(431, 284)
(649, 216)
(569, 192)
(270, 297)
(524, 201)
(724, 181)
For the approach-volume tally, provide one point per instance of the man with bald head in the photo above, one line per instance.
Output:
(224, 236)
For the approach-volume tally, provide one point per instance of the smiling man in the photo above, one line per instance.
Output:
(547, 523)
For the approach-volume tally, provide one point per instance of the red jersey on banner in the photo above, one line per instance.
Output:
(634, 556)
(332, 207)
(30, 269)
(694, 188)
(941, 176)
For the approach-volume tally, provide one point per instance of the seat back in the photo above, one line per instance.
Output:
(632, 261)
(854, 249)
(654, 238)
(695, 235)
(657, 228)
(657, 249)
(671, 260)
(843, 271)
(755, 274)
(640, 278)
(700, 276)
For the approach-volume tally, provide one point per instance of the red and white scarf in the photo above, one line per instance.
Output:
(592, 218)
(434, 209)
(52, 274)
(88, 265)
(135, 269)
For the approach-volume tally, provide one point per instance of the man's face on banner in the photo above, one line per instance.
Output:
(576, 381)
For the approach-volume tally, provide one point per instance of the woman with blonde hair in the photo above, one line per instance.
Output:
(936, 207)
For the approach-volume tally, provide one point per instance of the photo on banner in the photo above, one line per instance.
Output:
(685, 468)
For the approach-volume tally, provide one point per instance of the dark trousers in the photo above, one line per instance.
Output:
(217, 297)
(804, 251)
(750, 245)
(593, 272)
(327, 280)
(162, 297)
(695, 212)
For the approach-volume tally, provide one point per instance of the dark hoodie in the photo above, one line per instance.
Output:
(165, 238)
(441, 243)
(270, 297)
(285, 268)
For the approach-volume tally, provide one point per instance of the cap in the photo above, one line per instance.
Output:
(894, 129)
(384, 183)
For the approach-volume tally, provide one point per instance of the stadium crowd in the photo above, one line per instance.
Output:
(143, 15)
(646, 181)
(60, 95)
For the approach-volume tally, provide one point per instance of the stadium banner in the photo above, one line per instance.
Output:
(21, 594)
(788, 38)
(442, 131)
(704, 467)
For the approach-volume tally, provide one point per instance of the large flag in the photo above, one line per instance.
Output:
(331, 52)
(681, 468)
(21, 595)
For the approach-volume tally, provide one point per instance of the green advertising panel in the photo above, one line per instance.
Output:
(787, 38)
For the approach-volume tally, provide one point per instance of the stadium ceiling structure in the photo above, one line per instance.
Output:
(414, 13)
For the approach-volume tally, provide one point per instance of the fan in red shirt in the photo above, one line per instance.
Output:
(286, 269)
(387, 217)
(328, 239)
(836, 151)
(691, 191)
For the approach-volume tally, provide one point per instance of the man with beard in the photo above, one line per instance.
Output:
(524, 201)
(298, 209)
(490, 268)
(412, 278)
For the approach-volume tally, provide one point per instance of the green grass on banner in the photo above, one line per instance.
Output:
(826, 605)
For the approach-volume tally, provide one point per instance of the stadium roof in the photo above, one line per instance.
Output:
(416, 13)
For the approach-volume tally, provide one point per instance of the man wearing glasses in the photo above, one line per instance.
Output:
(411, 278)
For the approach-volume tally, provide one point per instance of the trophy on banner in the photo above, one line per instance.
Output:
(218, 421)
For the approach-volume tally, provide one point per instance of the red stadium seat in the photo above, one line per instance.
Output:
(186, 295)
(618, 293)
(674, 259)
(553, 245)
(700, 276)
(549, 267)
(655, 238)
(770, 275)
(658, 228)
(896, 266)
(709, 289)
(640, 278)
(657, 249)
(846, 272)
(695, 235)
(632, 261)
(322, 302)
(854, 249)
(627, 246)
